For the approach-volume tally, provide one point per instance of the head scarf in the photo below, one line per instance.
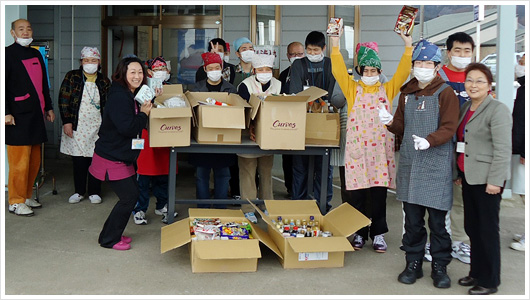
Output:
(156, 62)
(367, 57)
(262, 60)
(90, 52)
(211, 58)
(426, 50)
(240, 41)
(371, 45)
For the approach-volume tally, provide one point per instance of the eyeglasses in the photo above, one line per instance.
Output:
(296, 54)
(478, 82)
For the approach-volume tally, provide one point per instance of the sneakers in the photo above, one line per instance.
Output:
(20, 209)
(139, 218)
(164, 218)
(412, 271)
(427, 256)
(358, 242)
(126, 239)
(121, 246)
(462, 252)
(33, 203)
(75, 198)
(519, 246)
(379, 243)
(251, 217)
(95, 199)
(161, 211)
(518, 237)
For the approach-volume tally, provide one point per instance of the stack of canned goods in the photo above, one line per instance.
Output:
(299, 228)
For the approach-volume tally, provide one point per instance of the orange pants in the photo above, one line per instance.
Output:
(24, 165)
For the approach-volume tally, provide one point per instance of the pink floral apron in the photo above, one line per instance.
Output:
(369, 154)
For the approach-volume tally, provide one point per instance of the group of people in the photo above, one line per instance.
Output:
(454, 152)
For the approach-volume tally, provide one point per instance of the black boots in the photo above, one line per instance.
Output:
(439, 276)
(412, 272)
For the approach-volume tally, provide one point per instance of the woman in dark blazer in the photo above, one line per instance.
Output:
(484, 153)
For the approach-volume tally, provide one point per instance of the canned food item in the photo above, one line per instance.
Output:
(326, 234)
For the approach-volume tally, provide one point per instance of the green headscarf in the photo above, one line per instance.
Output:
(367, 57)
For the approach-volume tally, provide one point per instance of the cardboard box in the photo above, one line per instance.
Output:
(218, 124)
(322, 129)
(170, 127)
(217, 255)
(280, 120)
(313, 252)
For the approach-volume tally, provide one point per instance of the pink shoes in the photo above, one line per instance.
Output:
(126, 239)
(122, 246)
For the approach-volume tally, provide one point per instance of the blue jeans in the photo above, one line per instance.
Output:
(221, 179)
(159, 184)
(300, 171)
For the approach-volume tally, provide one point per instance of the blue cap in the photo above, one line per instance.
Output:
(426, 50)
(240, 41)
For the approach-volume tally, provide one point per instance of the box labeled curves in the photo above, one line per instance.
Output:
(313, 252)
(170, 127)
(217, 255)
(217, 124)
(280, 120)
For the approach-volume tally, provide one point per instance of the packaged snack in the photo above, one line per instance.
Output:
(234, 233)
(206, 221)
(144, 94)
(212, 101)
(206, 232)
(405, 20)
(334, 27)
(176, 101)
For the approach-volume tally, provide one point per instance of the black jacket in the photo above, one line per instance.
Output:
(120, 125)
(226, 87)
(518, 120)
(71, 93)
(22, 95)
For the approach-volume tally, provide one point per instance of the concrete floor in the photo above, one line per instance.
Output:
(56, 253)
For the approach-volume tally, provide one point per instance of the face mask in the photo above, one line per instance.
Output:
(460, 62)
(221, 54)
(90, 68)
(519, 71)
(292, 59)
(159, 75)
(424, 75)
(23, 42)
(315, 58)
(214, 75)
(167, 76)
(226, 58)
(370, 80)
(247, 55)
(264, 77)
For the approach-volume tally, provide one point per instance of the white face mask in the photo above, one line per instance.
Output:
(519, 71)
(23, 42)
(159, 75)
(315, 58)
(90, 68)
(292, 59)
(167, 76)
(222, 54)
(214, 75)
(424, 75)
(226, 58)
(264, 77)
(460, 62)
(370, 80)
(247, 55)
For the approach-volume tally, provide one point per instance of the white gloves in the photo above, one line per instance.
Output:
(420, 143)
(384, 115)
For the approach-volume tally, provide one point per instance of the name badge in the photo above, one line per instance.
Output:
(137, 144)
(460, 147)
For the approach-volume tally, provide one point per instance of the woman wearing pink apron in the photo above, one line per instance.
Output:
(369, 164)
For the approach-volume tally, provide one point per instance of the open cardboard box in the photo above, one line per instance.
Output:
(322, 129)
(313, 252)
(170, 127)
(217, 255)
(280, 120)
(218, 124)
